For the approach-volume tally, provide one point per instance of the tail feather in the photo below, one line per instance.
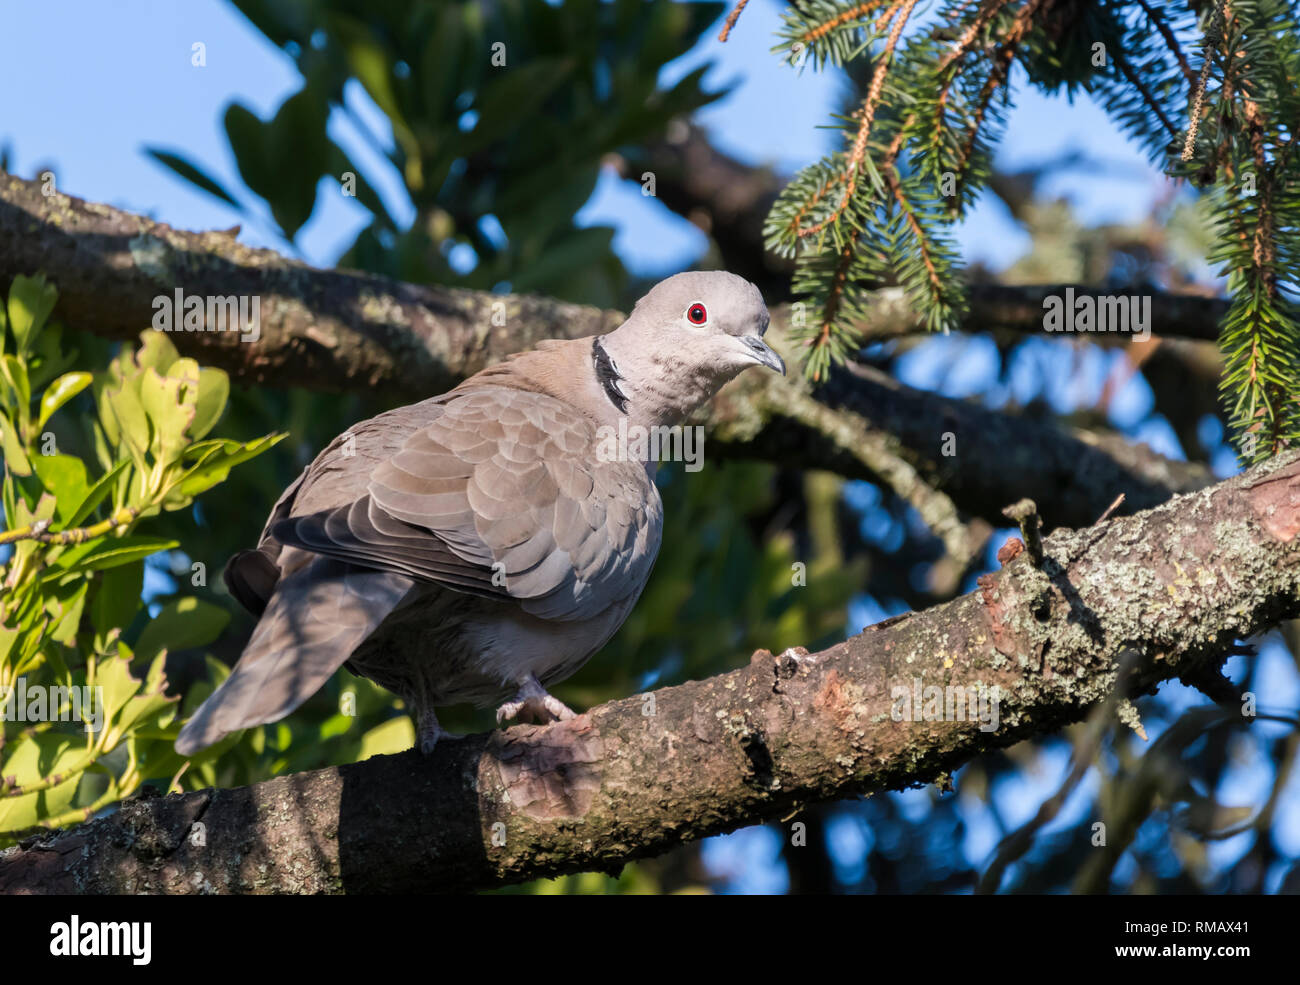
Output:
(316, 618)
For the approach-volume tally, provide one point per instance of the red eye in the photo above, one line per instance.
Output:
(696, 314)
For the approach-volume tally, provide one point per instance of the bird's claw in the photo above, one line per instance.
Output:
(533, 704)
(430, 733)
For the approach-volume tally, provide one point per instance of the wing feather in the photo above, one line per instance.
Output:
(501, 495)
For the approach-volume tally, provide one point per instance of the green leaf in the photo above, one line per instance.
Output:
(97, 555)
(130, 420)
(169, 401)
(216, 465)
(579, 249)
(60, 392)
(244, 131)
(65, 477)
(117, 598)
(513, 95)
(8, 637)
(49, 357)
(156, 352)
(442, 69)
(129, 702)
(214, 391)
(15, 373)
(12, 445)
(64, 608)
(181, 624)
(31, 300)
(97, 492)
(296, 140)
(35, 757)
(193, 174)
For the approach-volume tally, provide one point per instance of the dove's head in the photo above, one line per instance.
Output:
(687, 337)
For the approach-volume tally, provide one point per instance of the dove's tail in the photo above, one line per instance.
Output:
(317, 615)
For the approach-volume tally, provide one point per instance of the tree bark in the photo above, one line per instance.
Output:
(343, 330)
(1163, 592)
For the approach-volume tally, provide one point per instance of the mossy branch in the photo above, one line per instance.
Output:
(40, 530)
(1152, 592)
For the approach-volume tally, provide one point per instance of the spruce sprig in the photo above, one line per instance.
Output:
(1219, 81)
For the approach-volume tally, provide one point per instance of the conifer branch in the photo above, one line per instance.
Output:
(822, 28)
(731, 20)
(1171, 42)
(867, 115)
(925, 131)
(1135, 80)
(966, 43)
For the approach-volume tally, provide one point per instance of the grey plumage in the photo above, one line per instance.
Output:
(475, 547)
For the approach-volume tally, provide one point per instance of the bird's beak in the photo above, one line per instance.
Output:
(762, 353)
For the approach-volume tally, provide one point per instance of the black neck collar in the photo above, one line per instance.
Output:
(607, 375)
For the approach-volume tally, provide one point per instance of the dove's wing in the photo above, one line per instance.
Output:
(502, 495)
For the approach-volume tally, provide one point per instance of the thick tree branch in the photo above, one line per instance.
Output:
(1165, 592)
(1019, 308)
(321, 329)
(982, 459)
(340, 330)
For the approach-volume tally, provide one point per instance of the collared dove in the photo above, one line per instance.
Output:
(478, 546)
